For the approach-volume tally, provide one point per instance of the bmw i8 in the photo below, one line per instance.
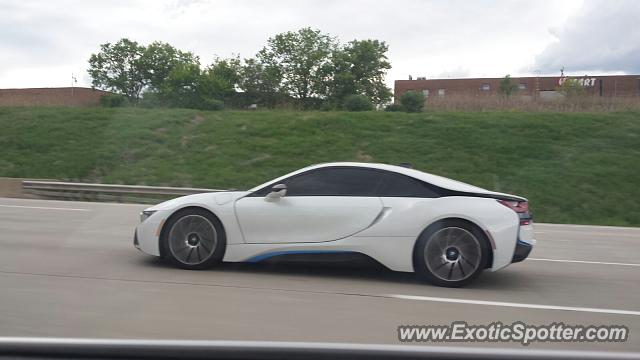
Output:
(444, 230)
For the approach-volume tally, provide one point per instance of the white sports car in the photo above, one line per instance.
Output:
(446, 231)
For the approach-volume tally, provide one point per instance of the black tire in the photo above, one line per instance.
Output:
(451, 253)
(196, 235)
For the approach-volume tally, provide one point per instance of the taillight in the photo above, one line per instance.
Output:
(521, 208)
(517, 206)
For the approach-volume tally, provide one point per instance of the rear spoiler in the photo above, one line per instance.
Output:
(491, 195)
(443, 192)
(497, 196)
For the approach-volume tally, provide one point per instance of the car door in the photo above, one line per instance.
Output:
(320, 205)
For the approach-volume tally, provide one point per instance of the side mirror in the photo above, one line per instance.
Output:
(277, 191)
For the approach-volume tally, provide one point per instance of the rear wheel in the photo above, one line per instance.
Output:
(193, 239)
(451, 253)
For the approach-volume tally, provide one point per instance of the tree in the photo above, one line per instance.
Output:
(342, 84)
(572, 88)
(129, 68)
(310, 65)
(118, 68)
(225, 74)
(360, 68)
(261, 83)
(507, 86)
(181, 87)
(307, 67)
(412, 101)
(158, 59)
(188, 86)
(211, 85)
(301, 58)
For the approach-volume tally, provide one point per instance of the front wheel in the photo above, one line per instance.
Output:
(451, 253)
(193, 239)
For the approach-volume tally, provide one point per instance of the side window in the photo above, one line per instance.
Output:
(334, 182)
(398, 185)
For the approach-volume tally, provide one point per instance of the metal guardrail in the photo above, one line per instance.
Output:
(106, 192)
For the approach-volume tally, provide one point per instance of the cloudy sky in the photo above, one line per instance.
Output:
(43, 42)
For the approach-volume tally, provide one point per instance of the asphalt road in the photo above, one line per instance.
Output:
(70, 269)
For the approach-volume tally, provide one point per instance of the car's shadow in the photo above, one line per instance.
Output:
(364, 269)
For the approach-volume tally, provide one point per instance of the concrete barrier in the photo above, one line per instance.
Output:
(11, 187)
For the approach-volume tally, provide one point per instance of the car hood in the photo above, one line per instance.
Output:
(212, 199)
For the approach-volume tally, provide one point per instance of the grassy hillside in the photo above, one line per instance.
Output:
(573, 167)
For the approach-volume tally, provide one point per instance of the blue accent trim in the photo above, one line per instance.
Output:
(264, 256)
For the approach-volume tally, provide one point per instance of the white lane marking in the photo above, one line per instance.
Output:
(515, 305)
(585, 262)
(612, 234)
(626, 228)
(117, 204)
(42, 208)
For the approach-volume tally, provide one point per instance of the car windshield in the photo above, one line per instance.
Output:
(428, 175)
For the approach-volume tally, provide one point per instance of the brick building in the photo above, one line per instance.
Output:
(608, 86)
(66, 96)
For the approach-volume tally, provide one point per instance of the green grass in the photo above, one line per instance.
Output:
(574, 167)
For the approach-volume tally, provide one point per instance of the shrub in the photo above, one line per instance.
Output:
(507, 86)
(412, 101)
(113, 100)
(572, 88)
(394, 108)
(357, 103)
(151, 99)
(211, 104)
(329, 106)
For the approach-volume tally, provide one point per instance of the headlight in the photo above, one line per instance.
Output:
(145, 214)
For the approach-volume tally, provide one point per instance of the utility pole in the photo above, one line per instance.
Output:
(537, 93)
(73, 82)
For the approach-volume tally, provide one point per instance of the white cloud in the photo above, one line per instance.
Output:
(603, 36)
(454, 73)
(43, 42)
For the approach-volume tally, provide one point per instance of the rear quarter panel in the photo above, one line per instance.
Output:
(408, 217)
